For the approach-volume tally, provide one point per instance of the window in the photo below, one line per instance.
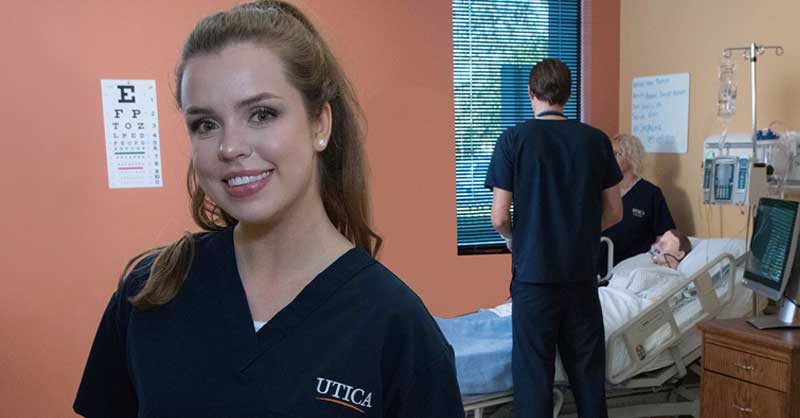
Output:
(495, 44)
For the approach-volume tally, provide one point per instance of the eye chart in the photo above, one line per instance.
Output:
(133, 149)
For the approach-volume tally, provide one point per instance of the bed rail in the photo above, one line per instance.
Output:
(609, 260)
(660, 318)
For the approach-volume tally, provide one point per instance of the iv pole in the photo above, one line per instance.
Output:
(750, 53)
(787, 313)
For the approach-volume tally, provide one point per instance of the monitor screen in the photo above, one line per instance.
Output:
(771, 256)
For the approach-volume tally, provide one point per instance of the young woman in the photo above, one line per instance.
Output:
(278, 309)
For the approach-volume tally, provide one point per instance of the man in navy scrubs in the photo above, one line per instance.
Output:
(561, 176)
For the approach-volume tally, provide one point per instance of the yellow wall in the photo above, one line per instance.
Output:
(680, 36)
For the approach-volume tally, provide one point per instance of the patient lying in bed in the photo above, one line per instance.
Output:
(650, 275)
(482, 340)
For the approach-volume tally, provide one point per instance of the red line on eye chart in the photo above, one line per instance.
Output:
(131, 168)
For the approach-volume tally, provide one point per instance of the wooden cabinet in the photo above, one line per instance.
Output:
(749, 372)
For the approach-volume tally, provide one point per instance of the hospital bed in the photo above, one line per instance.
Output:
(649, 353)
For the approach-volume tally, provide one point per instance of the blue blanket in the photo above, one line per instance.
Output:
(482, 343)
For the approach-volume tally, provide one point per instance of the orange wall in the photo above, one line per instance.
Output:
(601, 64)
(68, 235)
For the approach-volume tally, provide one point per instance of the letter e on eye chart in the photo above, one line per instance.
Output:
(133, 145)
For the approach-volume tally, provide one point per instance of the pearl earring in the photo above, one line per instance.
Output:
(321, 142)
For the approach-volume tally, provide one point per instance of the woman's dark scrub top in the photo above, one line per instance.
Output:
(646, 216)
(356, 342)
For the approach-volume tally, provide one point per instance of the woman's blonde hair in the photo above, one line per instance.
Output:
(632, 150)
(313, 70)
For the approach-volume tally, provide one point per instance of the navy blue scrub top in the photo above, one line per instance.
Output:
(646, 216)
(556, 171)
(356, 342)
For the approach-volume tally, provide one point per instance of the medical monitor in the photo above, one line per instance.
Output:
(773, 265)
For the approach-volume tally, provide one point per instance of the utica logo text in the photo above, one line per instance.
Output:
(342, 394)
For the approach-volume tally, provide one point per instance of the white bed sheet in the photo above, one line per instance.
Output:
(740, 306)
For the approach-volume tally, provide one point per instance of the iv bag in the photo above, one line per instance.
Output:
(726, 102)
(780, 152)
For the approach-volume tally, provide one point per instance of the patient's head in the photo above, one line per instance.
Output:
(671, 248)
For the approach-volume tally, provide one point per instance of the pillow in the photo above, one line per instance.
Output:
(707, 250)
(502, 310)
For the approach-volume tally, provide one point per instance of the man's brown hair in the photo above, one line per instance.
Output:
(550, 81)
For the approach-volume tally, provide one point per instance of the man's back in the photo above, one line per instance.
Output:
(556, 171)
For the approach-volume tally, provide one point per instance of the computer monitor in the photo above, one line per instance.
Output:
(773, 262)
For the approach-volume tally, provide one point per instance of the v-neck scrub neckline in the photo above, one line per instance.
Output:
(318, 291)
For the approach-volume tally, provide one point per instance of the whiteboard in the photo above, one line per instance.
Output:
(660, 112)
